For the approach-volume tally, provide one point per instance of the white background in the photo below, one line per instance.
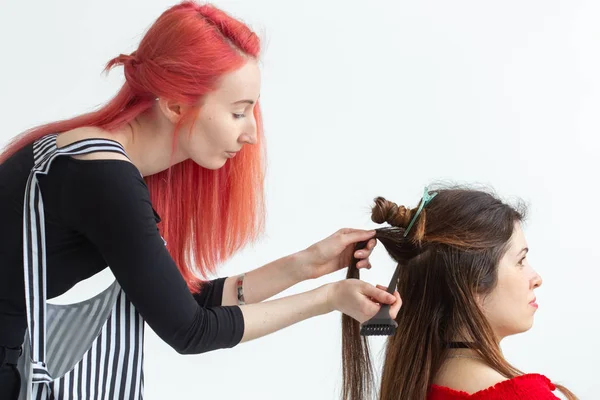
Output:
(364, 99)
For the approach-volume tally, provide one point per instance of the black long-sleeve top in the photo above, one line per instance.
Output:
(98, 213)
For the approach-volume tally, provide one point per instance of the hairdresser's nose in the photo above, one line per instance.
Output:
(249, 135)
(247, 139)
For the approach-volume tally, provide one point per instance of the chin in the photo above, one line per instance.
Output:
(213, 164)
(524, 328)
(513, 330)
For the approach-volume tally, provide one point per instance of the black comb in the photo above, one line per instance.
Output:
(382, 324)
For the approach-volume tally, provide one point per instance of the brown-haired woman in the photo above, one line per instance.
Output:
(466, 284)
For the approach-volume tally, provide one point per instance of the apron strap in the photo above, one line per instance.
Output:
(34, 240)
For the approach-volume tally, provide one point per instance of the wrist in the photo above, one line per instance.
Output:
(326, 297)
(299, 266)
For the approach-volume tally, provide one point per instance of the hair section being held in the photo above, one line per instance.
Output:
(356, 359)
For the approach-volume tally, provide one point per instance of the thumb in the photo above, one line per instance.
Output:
(356, 236)
(378, 295)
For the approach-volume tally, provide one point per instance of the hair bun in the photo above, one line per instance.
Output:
(123, 59)
(128, 59)
(388, 211)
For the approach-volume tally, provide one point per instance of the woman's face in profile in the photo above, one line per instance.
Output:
(511, 305)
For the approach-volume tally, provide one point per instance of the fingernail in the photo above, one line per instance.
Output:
(360, 254)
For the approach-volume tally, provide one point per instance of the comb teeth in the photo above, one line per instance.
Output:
(377, 330)
(380, 325)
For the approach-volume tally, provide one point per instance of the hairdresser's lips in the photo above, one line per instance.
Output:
(231, 154)
(533, 303)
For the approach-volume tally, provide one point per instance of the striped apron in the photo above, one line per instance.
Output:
(87, 350)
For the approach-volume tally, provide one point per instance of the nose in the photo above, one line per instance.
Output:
(247, 139)
(250, 133)
(536, 282)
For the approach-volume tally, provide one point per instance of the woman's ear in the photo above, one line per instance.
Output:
(171, 109)
(480, 300)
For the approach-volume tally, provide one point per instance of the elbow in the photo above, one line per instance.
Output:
(192, 347)
(204, 333)
(188, 343)
(185, 350)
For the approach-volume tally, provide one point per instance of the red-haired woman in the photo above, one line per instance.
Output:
(181, 141)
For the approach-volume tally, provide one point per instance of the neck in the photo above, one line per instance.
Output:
(149, 142)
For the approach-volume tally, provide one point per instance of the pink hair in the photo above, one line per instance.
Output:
(207, 214)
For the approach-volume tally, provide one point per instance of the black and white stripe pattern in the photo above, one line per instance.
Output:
(94, 348)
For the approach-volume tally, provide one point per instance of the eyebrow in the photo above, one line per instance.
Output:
(524, 249)
(247, 101)
(244, 101)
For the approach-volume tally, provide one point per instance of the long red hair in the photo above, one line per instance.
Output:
(207, 215)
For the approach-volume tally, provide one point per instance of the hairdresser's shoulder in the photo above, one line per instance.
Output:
(90, 133)
(108, 174)
(98, 163)
(468, 375)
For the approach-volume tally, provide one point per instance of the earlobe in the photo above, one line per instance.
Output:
(171, 109)
(479, 299)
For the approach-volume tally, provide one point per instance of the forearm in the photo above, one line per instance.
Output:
(266, 281)
(265, 318)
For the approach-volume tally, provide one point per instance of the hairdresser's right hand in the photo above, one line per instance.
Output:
(360, 300)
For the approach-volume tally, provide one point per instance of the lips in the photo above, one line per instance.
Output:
(533, 303)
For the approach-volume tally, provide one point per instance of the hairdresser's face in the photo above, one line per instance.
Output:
(510, 307)
(225, 123)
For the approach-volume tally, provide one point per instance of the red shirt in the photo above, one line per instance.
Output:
(528, 386)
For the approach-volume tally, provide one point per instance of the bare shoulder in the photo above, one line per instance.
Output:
(72, 136)
(467, 375)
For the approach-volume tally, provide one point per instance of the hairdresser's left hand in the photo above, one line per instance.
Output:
(335, 252)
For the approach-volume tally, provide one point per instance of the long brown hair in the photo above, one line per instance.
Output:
(450, 255)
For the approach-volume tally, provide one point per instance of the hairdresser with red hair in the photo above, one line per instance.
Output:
(161, 184)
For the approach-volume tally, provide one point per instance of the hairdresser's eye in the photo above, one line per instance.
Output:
(521, 262)
(238, 116)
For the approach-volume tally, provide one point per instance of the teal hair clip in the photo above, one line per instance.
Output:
(427, 197)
